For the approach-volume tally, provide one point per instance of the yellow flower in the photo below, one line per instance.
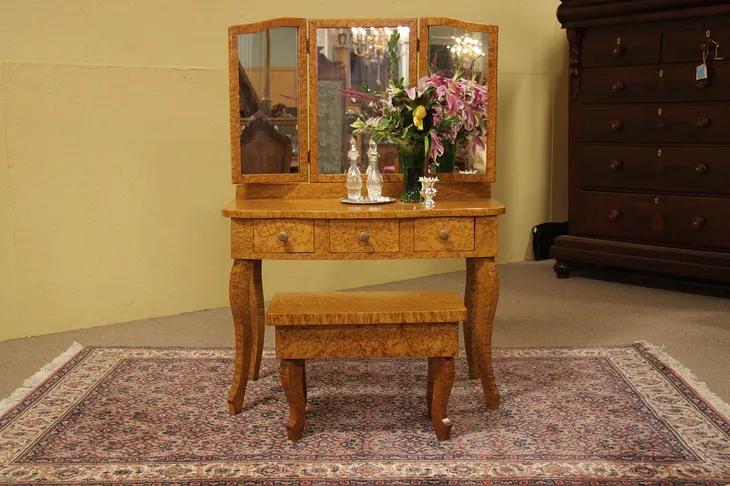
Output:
(418, 115)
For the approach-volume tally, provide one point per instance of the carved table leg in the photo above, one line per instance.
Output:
(441, 380)
(240, 297)
(483, 279)
(258, 325)
(469, 295)
(292, 380)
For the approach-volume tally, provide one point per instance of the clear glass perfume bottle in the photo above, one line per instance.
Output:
(374, 179)
(354, 181)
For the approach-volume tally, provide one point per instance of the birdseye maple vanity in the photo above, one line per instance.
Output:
(290, 133)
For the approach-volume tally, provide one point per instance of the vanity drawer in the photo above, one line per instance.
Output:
(283, 235)
(701, 123)
(444, 234)
(661, 169)
(660, 83)
(700, 222)
(612, 46)
(364, 236)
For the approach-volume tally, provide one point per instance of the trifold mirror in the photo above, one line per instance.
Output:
(291, 117)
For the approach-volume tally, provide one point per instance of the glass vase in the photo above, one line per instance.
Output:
(412, 163)
(446, 161)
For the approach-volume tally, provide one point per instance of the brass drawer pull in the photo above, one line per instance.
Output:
(700, 169)
(283, 236)
(619, 50)
(616, 165)
(614, 214)
(617, 86)
(616, 125)
(698, 222)
(703, 122)
(444, 235)
(364, 236)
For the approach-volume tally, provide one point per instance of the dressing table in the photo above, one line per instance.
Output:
(293, 70)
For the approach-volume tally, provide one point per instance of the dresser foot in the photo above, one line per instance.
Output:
(562, 269)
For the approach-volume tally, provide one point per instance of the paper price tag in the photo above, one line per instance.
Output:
(701, 72)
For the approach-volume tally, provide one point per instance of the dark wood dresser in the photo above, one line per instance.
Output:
(649, 142)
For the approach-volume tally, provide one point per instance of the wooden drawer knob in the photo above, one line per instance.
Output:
(703, 83)
(703, 122)
(618, 50)
(617, 86)
(364, 236)
(614, 214)
(700, 168)
(615, 165)
(283, 236)
(616, 125)
(444, 235)
(698, 222)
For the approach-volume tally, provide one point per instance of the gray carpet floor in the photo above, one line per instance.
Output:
(535, 309)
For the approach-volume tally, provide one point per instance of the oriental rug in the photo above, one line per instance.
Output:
(613, 415)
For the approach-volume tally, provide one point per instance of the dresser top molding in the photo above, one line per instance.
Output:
(334, 209)
(584, 13)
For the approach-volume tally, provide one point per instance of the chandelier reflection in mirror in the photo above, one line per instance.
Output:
(371, 44)
(466, 49)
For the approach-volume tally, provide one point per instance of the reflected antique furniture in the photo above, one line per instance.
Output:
(298, 216)
(649, 144)
(367, 325)
(263, 149)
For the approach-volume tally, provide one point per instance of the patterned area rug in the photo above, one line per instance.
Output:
(615, 415)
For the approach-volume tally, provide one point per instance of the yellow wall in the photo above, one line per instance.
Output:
(114, 155)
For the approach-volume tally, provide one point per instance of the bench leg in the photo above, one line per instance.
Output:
(292, 380)
(441, 379)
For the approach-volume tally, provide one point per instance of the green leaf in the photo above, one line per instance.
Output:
(426, 142)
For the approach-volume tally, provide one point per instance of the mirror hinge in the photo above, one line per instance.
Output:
(307, 43)
(418, 45)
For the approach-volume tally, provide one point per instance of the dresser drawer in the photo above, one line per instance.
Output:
(701, 123)
(671, 220)
(658, 83)
(444, 234)
(658, 169)
(364, 236)
(611, 46)
(687, 45)
(283, 235)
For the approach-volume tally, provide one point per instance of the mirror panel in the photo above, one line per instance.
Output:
(346, 55)
(266, 62)
(471, 47)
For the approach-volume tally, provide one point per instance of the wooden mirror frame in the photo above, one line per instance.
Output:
(315, 24)
(423, 63)
(308, 95)
(302, 105)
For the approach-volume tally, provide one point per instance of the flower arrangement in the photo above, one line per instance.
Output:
(437, 110)
(438, 113)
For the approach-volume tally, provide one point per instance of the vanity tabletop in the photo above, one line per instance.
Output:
(334, 209)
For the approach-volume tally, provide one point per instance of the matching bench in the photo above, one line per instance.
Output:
(367, 325)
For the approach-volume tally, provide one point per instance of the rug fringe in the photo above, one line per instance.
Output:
(690, 378)
(39, 377)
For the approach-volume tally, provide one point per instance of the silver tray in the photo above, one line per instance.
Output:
(364, 200)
